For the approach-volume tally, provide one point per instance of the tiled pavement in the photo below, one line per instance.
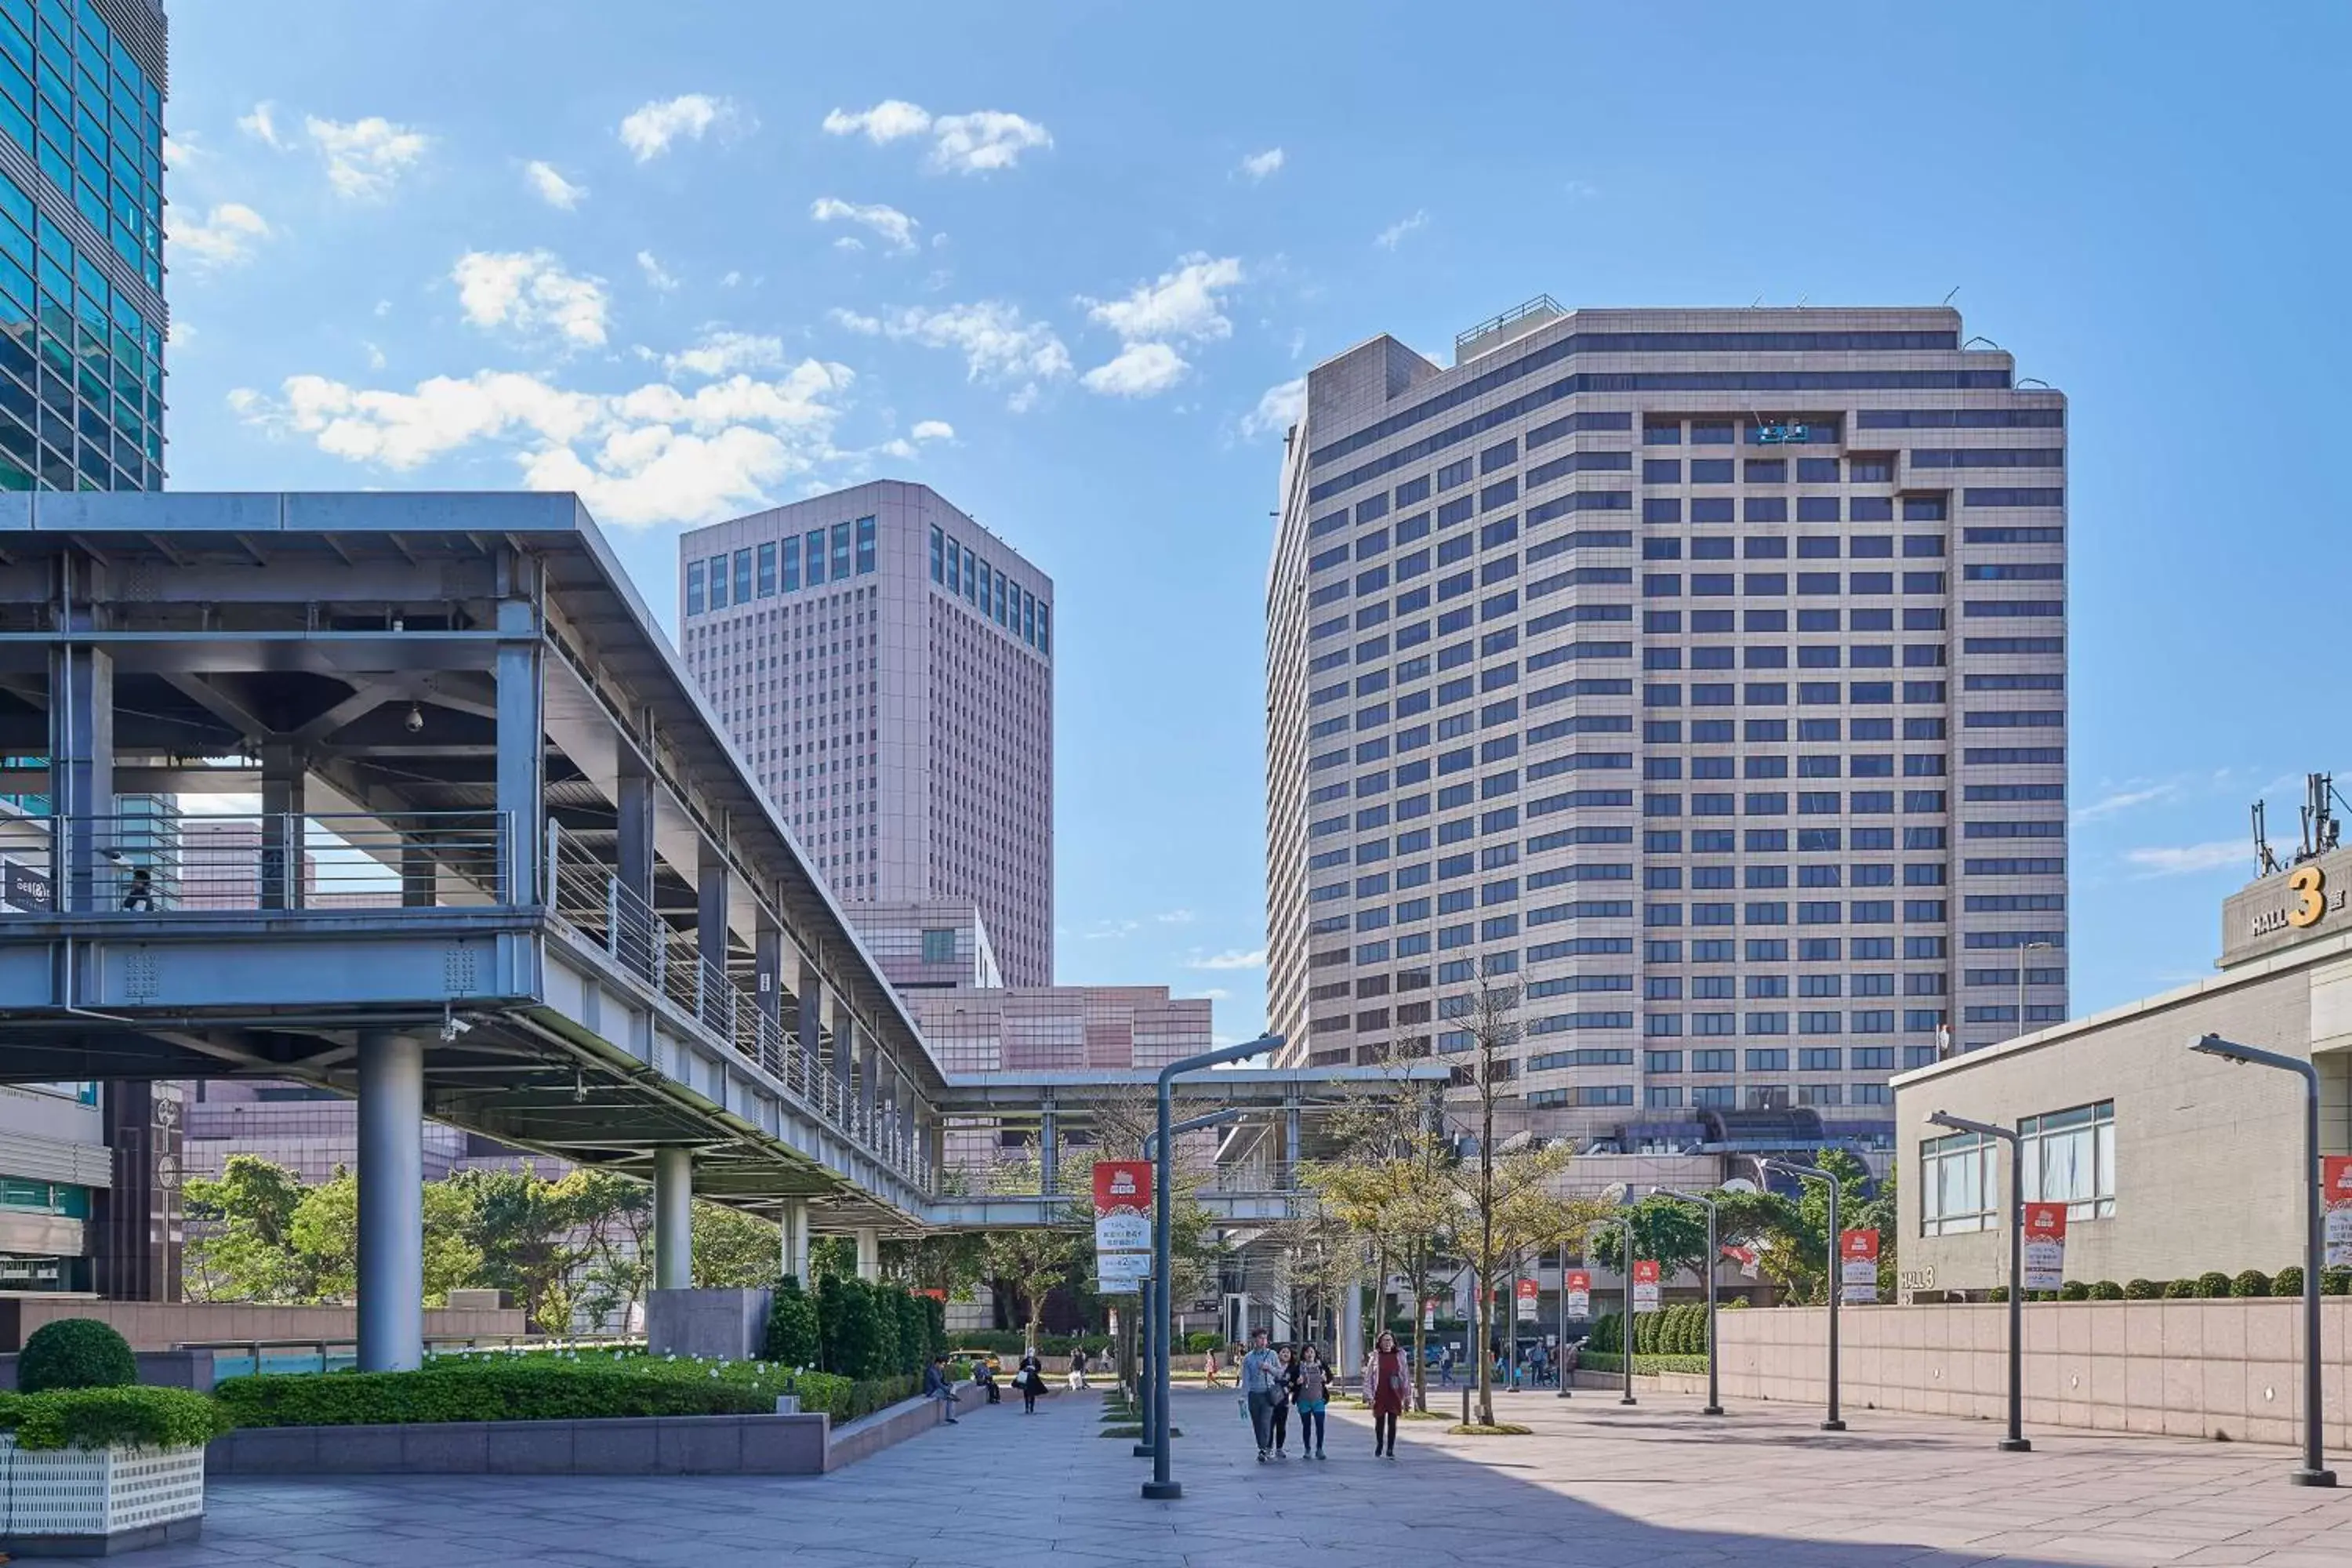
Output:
(1655, 1486)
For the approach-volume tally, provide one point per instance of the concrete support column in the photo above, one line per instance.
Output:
(672, 1218)
(768, 968)
(1288, 1175)
(844, 1048)
(1049, 1147)
(869, 1084)
(81, 747)
(796, 1227)
(522, 727)
(391, 1202)
(1348, 1349)
(633, 864)
(282, 774)
(870, 1253)
(810, 1024)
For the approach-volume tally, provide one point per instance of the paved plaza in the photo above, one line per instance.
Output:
(1655, 1486)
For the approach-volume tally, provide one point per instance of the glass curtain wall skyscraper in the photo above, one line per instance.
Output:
(1700, 674)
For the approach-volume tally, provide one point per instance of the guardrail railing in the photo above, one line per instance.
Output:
(150, 864)
(590, 896)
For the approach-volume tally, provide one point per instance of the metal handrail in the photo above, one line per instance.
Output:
(266, 861)
(591, 898)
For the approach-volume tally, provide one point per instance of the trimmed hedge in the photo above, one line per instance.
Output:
(75, 1352)
(793, 1336)
(2288, 1281)
(2143, 1290)
(2106, 1290)
(2250, 1282)
(131, 1417)
(1644, 1365)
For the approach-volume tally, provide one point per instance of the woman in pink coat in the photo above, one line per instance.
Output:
(1384, 1386)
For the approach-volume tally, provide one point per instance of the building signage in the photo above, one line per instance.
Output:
(1526, 1295)
(23, 888)
(1580, 1294)
(1646, 1285)
(1745, 1256)
(2309, 899)
(1122, 1223)
(1858, 1265)
(2045, 1245)
(2336, 1189)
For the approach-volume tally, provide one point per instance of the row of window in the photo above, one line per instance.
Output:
(1773, 584)
(1012, 608)
(1762, 1097)
(1775, 693)
(786, 566)
(1809, 911)
(2069, 1158)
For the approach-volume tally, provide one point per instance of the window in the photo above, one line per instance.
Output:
(694, 600)
(864, 545)
(2070, 1157)
(938, 946)
(767, 571)
(1957, 1189)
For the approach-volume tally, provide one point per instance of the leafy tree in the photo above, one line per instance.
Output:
(1385, 1186)
(1670, 1233)
(240, 1234)
(325, 1236)
(522, 1226)
(731, 1248)
(794, 1335)
(950, 1260)
(1033, 1262)
(612, 1221)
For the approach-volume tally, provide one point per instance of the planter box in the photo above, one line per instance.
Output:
(93, 1503)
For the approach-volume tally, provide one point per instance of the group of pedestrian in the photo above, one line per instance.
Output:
(1274, 1382)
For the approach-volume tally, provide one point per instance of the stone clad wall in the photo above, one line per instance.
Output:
(2200, 1369)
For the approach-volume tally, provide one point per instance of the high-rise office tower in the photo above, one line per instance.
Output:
(82, 408)
(887, 666)
(1699, 673)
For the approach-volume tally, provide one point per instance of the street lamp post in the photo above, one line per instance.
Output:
(1160, 1487)
(1627, 1219)
(1834, 1423)
(1148, 1395)
(2315, 1471)
(1560, 1353)
(2016, 1442)
(1714, 1406)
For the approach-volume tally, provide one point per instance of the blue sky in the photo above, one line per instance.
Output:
(1061, 262)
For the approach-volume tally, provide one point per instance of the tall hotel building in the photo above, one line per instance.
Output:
(886, 664)
(1702, 673)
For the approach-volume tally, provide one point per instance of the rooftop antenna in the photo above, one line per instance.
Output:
(2323, 830)
(2266, 861)
(1947, 299)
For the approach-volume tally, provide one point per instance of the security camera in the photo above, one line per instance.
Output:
(415, 720)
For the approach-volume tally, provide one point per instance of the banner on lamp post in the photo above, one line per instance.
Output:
(1527, 1294)
(1122, 1225)
(2336, 1191)
(1579, 1293)
(2045, 1245)
(1646, 1285)
(1858, 1267)
(1745, 1256)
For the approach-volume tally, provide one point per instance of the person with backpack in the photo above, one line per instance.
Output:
(1310, 1391)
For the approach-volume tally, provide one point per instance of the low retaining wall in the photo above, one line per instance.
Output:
(2196, 1368)
(803, 1445)
(166, 1325)
(157, 1369)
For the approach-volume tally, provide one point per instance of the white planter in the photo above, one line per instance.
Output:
(103, 1499)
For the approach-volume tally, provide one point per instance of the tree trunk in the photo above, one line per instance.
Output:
(1417, 1266)
(1486, 1240)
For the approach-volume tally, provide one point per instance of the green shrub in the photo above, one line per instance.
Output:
(1644, 1365)
(1997, 1293)
(913, 1335)
(2335, 1282)
(2182, 1291)
(2250, 1282)
(2212, 1283)
(2106, 1290)
(498, 1389)
(2073, 1290)
(2288, 1281)
(849, 1318)
(75, 1352)
(2143, 1290)
(935, 1325)
(112, 1417)
(1201, 1341)
(793, 1337)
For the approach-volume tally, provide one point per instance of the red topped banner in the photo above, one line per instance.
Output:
(1646, 1285)
(1858, 1265)
(1122, 1205)
(2045, 1245)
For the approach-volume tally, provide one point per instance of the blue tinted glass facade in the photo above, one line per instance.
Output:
(81, 311)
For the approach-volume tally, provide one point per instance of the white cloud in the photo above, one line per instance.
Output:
(892, 225)
(997, 344)
(182, 151)
(651, 128)
(729, 279)
(1389, 237)
(179, 334)
(553, 187)
(1581, 189)
(983, 141)
(2123, 800)
(374, 354)
(529, 291)
(1174, 917)
(1142, 370)
(1259, 165)
(932, 430)
(975, 144)
(1233, 958)
(1278, 408)
(724, 352)
(888, 121)
(2177, 860)
(366, 157)
(656, 274)
(1179, 304)
(226, 236)
(650, 455)
(261, 124)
